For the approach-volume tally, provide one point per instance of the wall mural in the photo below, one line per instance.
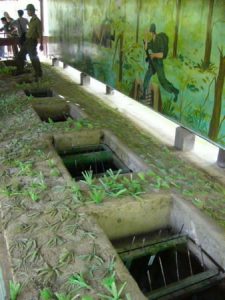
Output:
(167, 54)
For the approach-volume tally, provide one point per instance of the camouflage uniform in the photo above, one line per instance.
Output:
(30, 47)
(156, 66)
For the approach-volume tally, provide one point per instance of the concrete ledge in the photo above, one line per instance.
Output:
(184, 139)
(221, 158)
(55, 62)
(84, 79)
(109, 90)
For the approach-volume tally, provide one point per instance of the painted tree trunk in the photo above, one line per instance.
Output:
(215, 120)
(82, 25)
(208, 43)
(139, 4)
(121, 58)
(175, 42)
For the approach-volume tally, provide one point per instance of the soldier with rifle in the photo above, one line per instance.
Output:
(157, 50)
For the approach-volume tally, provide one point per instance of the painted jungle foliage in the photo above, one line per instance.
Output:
(168, 54)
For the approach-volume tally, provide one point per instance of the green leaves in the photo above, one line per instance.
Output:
(14, 290)
(88, 177)
(79, 281)
(48, 273)
(199, 203)
(60, 296)
(46, 294)
(110, 284)
(97, 195)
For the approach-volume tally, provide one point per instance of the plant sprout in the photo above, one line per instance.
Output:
(79, 281)
(97, 195)
(46, 294)
(88, 177)
(14, 290)
(110, 284)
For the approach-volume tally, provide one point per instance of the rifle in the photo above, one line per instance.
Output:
(147, 52)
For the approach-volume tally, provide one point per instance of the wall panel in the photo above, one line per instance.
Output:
(105, 39)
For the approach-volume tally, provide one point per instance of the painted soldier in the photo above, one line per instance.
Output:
(157, 50)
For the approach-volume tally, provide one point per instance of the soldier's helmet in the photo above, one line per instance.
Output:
(30, 7)
(152, 28)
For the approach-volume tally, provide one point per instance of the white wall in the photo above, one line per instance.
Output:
(13, 5)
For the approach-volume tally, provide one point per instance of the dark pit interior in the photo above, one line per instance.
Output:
(39, 93)
(165, 268)
(24, 81)
(95, 158)
(57, 116)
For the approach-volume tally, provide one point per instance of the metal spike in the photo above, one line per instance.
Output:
(161, 267)
(176, 258)
(133, 240)
(149, 280)
(143, 242)
(189, 260)
(202, 259)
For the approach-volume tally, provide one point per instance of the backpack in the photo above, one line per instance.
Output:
(165, 39)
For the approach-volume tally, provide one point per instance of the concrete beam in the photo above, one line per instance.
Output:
(109, 90)
(55, 62)
(84, 79)
(184, 139)
(221, 158)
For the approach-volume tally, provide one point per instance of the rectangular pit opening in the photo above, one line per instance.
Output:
(56, 110)
(96, 158)
(164, 266)
(170, 249)
(95, 151)
(39, 92)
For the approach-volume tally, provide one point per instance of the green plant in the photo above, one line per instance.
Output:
(88, 177)
(40, 153)
(111, 184)
(133, 186)
(85, 123)
(66, 257)
(87, 298)
(55, 241)
(115, 185)
(48, 273)
(14, 290)
(32, 194)
(55, 172)
(47, 294)
(110, 284)
(42, 84)
(97, 195)
(51, 163)
(76, 192)
(25, 168)
(7, 70)
(10, 191)
(111, 265)
(90, 257)
(79, 281)
(39, 182)
(142, 176)
(62, 297)
(25, 227)
(33, 256)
